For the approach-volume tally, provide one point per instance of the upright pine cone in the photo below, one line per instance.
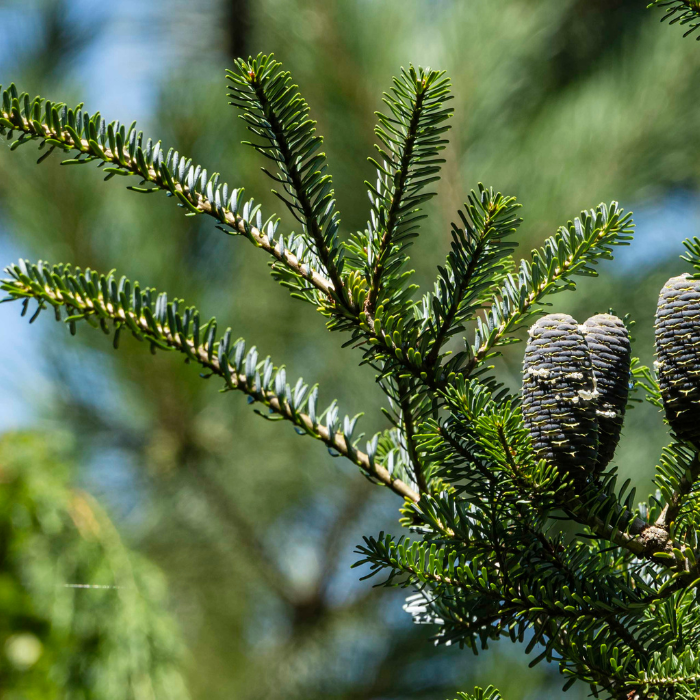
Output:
(559, 397)
(678, 355)
(611, 355)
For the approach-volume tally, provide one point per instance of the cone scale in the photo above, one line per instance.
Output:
(559, 396)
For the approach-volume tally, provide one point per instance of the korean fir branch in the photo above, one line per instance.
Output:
(483, 587)
(685, 12)
(484, 444)
(574, 250)
(489, 578)
(671, 674)
(103, 301)
(277, 114)
(119, 150)
(279, 117)
(411, 138)
(489, 693)
(479, 259)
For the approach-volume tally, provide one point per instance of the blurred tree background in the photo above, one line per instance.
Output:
(564, 103)
(115, 643)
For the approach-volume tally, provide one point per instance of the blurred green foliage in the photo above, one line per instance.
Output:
(81, 617)
(564, 103)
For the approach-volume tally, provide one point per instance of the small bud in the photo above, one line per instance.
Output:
(678, 355)
(611, 354)
(559, 395)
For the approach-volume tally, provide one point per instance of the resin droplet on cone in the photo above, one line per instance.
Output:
(678, 355)
(611, 355)
(559, 396)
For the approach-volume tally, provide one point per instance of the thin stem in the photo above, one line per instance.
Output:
(244, 533)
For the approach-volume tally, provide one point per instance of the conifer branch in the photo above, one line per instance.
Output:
(274, 111)
(680, 11)
(484, 443)
(101, 300)
(489, 693)
(676, 476)
(574, 250)
(418, 564)
(476, 598)
(405, 153)
(616, 606)
(478, 260)
(411, 139)
(123, 152)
